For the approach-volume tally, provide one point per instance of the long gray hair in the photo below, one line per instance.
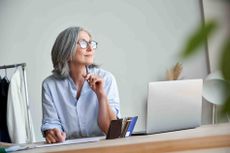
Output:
(64, 49)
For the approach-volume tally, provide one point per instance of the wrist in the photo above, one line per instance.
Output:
(101, 95)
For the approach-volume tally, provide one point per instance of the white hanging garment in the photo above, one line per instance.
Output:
(20, 128)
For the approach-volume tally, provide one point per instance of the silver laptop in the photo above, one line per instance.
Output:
(174, 105)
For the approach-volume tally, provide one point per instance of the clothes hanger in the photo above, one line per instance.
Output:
(6, 78)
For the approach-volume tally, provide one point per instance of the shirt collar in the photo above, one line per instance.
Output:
(85, 88)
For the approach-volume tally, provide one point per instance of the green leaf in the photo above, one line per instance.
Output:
(225, 60)
(198, 38)
(226, 107)
(225, 69)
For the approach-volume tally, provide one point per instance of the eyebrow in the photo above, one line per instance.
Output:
(86, 40)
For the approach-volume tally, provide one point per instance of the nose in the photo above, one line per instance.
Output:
(90, 48)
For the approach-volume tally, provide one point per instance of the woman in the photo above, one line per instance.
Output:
(78, 99)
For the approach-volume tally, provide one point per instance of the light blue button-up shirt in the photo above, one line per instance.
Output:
(78, 118)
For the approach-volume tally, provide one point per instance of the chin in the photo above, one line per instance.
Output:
(89, 63)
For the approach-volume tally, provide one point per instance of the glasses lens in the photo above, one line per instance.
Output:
(83, 44)
(94, 44)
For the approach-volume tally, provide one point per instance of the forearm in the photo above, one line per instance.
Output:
(105, 114)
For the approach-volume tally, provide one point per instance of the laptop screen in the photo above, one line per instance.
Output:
(174, 105)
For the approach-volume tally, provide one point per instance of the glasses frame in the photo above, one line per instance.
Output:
(88, 43)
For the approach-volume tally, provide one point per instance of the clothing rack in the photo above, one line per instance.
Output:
(13, 66)
(23, 65)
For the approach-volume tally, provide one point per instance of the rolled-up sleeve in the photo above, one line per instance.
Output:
(50, 118)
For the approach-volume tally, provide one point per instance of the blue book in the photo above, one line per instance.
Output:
(131, 126)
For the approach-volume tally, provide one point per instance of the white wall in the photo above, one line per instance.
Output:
(138, 41)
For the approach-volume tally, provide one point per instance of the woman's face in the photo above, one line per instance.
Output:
(84, 56)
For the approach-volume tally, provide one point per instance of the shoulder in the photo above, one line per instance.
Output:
(51, 80)
(48, 79)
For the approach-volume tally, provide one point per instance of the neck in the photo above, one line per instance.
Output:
(77, 72)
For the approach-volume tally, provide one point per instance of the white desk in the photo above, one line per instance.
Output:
(208, 138)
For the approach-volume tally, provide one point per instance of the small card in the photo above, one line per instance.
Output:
(131, 126)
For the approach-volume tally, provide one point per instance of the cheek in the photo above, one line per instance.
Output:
(78, 55)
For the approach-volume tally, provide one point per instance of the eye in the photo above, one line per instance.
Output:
(94, 44)
(83, 43)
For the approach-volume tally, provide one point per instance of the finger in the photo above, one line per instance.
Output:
(47, 140)
(63, 136)
(58, 135)
(95, 80)
(47, 133)
(98, 82)
(53, 134)
(50, 138)
(88, 76)
(91, 78)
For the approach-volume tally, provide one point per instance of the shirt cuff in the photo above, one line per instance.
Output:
(48, 126)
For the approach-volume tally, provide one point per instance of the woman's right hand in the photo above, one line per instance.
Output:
(54, 136)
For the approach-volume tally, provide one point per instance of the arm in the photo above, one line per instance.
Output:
(106, 113)
(51, 126)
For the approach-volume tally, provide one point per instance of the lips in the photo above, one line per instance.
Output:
(89, 55)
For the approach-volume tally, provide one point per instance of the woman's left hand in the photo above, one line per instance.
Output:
(96, 83)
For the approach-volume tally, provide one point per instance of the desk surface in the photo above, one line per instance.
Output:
(207, 138)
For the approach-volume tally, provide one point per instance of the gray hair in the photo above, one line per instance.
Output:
(64, 49)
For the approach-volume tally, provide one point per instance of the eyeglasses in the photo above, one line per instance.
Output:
(85, 44)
